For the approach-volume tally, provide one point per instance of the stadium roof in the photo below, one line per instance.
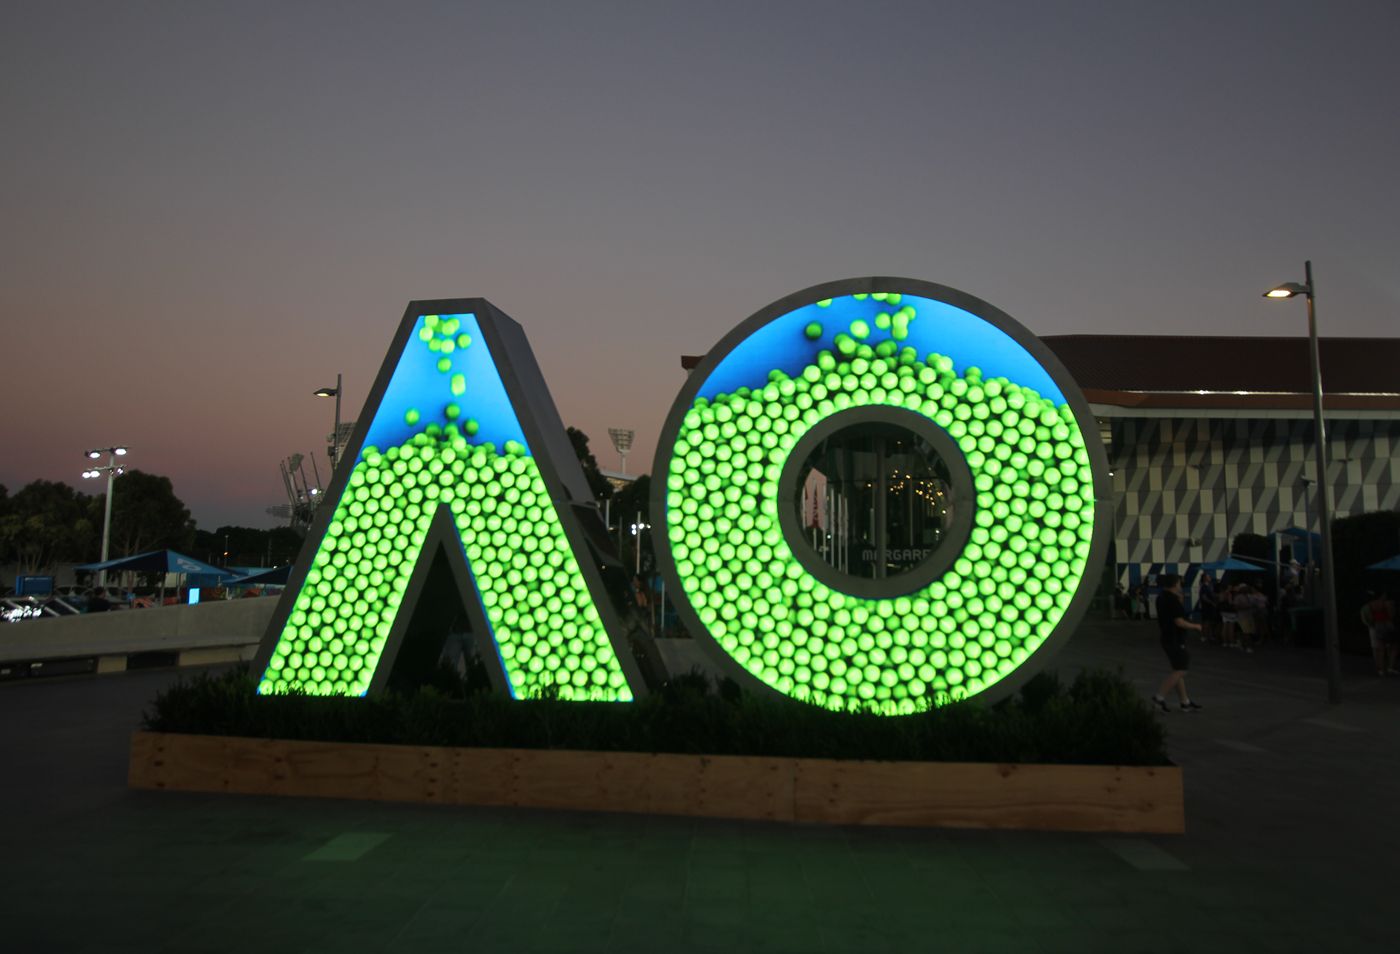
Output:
(1227, 372)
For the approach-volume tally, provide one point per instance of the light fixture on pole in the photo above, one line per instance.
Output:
(111, 470)
(1324, 489)
(622, 443)
(335, 435)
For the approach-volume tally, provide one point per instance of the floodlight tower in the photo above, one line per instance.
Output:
(111, 470)
(622, 443)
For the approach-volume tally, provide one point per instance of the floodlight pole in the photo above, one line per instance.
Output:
(335, 438)
(334, 450)
(1324, 507)
(112, 470)
(107, 519)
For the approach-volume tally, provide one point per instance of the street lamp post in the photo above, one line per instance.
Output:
(1324, 489)
(335, 435)
(112, 470)
(1307, 483)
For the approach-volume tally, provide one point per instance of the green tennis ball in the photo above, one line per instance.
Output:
(813, 331)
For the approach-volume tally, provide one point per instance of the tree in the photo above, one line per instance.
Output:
(146, 515)
(46, 523)
(597, 483)
(247, 546)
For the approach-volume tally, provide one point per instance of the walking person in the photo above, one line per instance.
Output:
(1173, 624)
(1261, 614)
(1379, 616)
(1228, 617)
(1244, 616)
(1210, 610)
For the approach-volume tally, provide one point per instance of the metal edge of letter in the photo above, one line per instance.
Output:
(535, 410)
(316, 534)
(924, 572)
(1074, 397)
(558, 465)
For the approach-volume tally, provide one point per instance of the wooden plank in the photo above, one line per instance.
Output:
(1064, 797)
(975, 795)
(743, 786)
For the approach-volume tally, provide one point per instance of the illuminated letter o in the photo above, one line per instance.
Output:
(872, 395)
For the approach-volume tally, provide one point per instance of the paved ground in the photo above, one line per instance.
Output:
(1292, 846)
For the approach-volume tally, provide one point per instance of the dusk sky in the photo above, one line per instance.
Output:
(211, 209)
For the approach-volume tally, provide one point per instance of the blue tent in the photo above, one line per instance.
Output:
(1393, 563)
(1229, 563)
(162, 561)
(274, 577)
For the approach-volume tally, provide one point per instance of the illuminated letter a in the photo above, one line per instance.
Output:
(458, 495)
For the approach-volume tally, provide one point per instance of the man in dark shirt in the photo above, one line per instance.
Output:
(1172, 621)
(97, 602)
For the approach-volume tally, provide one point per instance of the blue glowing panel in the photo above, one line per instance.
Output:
(418, 385)
(936, 328)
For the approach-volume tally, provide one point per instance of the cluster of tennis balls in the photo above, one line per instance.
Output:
(1006, 590)
(542, 615)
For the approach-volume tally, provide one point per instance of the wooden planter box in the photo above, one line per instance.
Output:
(957, 795)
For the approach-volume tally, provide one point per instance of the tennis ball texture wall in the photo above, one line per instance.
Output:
(1004, 593)
(542, 617)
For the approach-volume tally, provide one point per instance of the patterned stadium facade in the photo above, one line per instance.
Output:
(1184, 487)
(1194, 465)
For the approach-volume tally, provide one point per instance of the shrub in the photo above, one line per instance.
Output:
(1098, 720)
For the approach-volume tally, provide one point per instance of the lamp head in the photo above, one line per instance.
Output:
(1287, 290)
(94, 454)
(327, 392)
(119, 451)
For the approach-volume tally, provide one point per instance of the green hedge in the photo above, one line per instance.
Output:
(1098, 720)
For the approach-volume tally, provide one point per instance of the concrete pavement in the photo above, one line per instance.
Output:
(1291, 846)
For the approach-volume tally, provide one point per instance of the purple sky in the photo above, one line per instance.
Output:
(211, 209)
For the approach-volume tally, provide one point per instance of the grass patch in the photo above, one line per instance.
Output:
(1099, 719)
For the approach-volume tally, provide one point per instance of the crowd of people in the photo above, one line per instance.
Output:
(1238, 617)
